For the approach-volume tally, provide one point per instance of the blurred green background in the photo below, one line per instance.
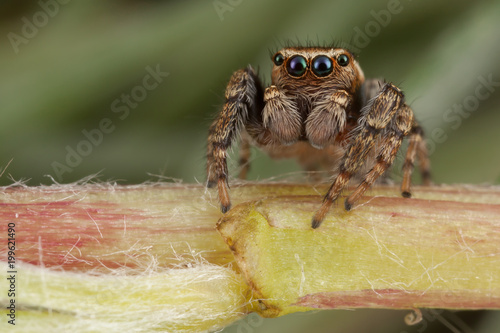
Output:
(66, 67)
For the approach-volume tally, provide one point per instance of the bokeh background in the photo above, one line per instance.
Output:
(68, 67)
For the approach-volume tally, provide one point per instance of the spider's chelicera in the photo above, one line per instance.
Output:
(320, 109)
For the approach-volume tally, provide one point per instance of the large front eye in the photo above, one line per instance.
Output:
(322, 66)
(296, 66)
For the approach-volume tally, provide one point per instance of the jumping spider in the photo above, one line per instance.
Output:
(318, 102)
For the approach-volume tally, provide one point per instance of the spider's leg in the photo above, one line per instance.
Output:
(377, 115)
(244, 161)
(408, 164)
(397, 129)
(424, 164)
(241, 96)
(416, 146)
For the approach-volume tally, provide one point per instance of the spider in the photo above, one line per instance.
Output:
(320, 109)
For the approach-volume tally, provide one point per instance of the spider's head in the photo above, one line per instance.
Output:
(310, 68)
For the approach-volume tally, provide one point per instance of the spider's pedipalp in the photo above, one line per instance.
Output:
(281, 116)
(327, 119)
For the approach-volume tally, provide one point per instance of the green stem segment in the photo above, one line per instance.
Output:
(440, 249)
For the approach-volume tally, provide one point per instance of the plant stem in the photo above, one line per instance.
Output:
(149, 256)
(440, 249)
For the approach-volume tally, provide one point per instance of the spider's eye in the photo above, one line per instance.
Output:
(322, 66)
(296, 66)
(343, 60)
(278, 59)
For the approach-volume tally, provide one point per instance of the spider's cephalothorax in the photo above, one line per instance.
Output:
(317, 105)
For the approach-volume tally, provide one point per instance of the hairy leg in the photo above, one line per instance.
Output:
(378, 114)
(398, 129)
(244, 160)
(241, 95)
